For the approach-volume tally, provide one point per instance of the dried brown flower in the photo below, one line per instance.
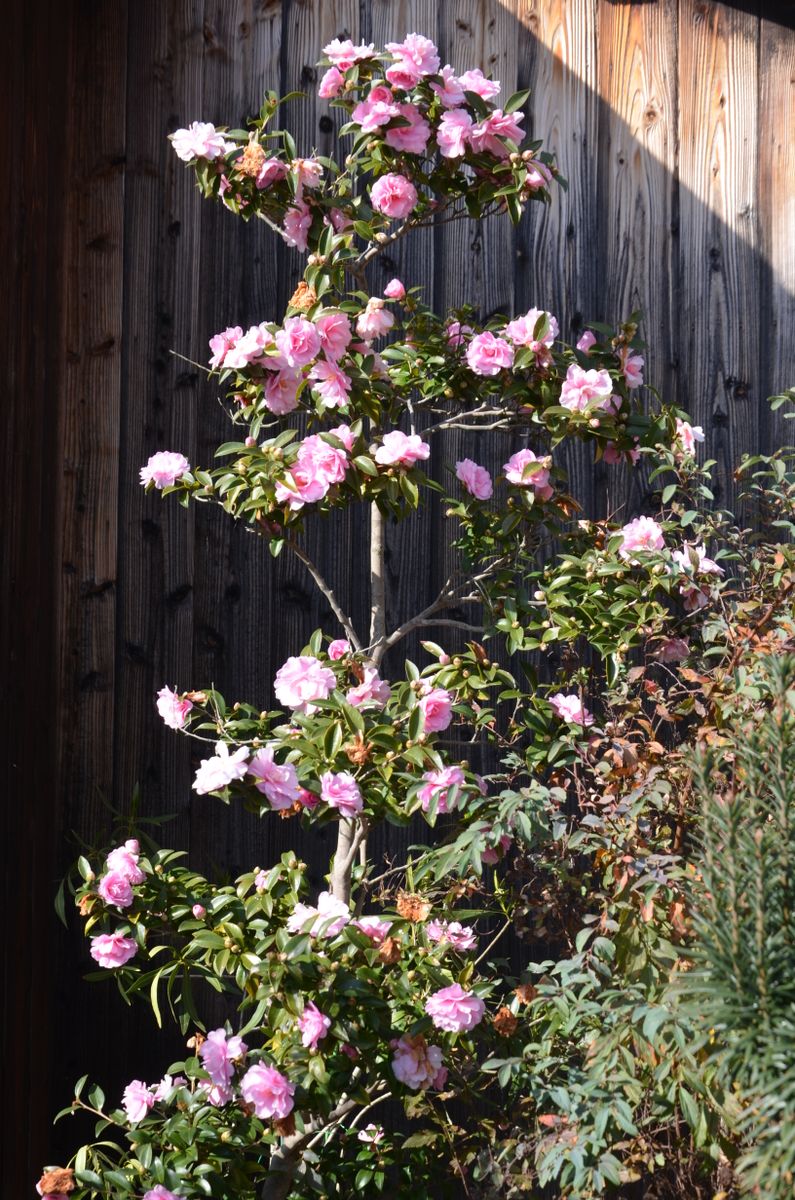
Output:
(505, 1022)
(358, 751)
(526, 992)
(389, 951)
(286, 1126)
(61, 1180)
(412, 907)
(303, 297)
(251, 160)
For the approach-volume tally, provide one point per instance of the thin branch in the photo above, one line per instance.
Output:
(450, 622)
(493, 942)
(344, 620)
(377, 584)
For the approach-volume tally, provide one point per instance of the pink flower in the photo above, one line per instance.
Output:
(378, 109)
(217, 1094)
(136, 1101)
(570, 708)
(301, 680)
(281, 392)
(475, 81)
(584, 390)
(116, 889)
(278, 782)
(331, 84)
(222, 343)
(488, 355)
(331, 384)
(522, 470)
(307, 799)
(415, 1062)
(113, 950)
(300, 486)
(218, 772)
(394, 290)
(374, 320)
(252, 347)
(393, 195)
(321, 460)
(167, 1085)
(328, 919)
(694, 560)
(687, 435)
(454, 1010)
(298, 342)
(314, 1025)
(450, 91)
(460, 937)
(199, 911)
(344, 54)
(172, 709)
(612, 455)
(271, 170)
(493, 854)
(522, 330)
(297, 223)
(260, 881)
(375, 928)
(371, 1134)
(415, 57)
(401, 449)
(341, 791)
(641, 534)
(437, 786)
(452, 135)
(164, 469)
(268, 1090)
(199, 140)
(632, 366)
(673, 650)
(218, 1053)
(334, 331)
(372, 690)
(411, 138)
(158, 1192)
(124, 861)
(475, 479)
(486, 137)
(308, 173)
(586, 340)
(338, 649)
(437, 710)
(456, 333)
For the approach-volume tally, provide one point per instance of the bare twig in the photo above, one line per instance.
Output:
(378, 641)
(328, 592)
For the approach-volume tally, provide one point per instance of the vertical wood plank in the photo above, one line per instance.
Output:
(719, 376)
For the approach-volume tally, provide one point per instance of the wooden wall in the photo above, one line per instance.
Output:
(673, 122)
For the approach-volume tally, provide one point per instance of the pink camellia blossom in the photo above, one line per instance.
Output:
(371, 1134)
(124, 861)
(298, 342)
(538, 176)
(416, 56)
(158, 1192)
(260, 881)
(642, 534)
(297, 223)
(475, 81)
(328, 919)
(216, 773)
(344, 54)
(217, 1094)
(136, 1101)
(172, 708)
(374, 320)
(585, 390)
(314, 1025)
(331, 84)
(673, 650)
(612, 455)
(338, 649)
(308, 173)
(693, 560)
(300, 486)
(394, 290)
(372, 690)
(341, 791)
(570, 708)
(321, 460)
(521, 471)
(113, 950)
(632, 366)
(452, 134)
(437, 786)
(200, 140)
(199, 911)
(401, 449)
(415, 1062)
(376, 110)
(252, 347)
(278, 782)
(334, 331)
(687, 435)
(167, 1085)
(454, 1010)
(457, 333)
(586, 341)
(281, 392)
(475, 479)
(460, 937)
(394, 196)
(222, 343)
(485, 137)
(307, 799)
(411, 138)
(375, 928)
(488, 355)
(164, 469)
(522, 330)
(218, 1053)
(436, 706)
(331, 383)
(494, 854)
(271, 170)
(302, 679)
(270, 1092)
(449, 91)
(116, 889)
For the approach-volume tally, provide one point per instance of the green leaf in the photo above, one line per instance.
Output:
(517, 100)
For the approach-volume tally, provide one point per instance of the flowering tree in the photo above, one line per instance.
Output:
(390, 988)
